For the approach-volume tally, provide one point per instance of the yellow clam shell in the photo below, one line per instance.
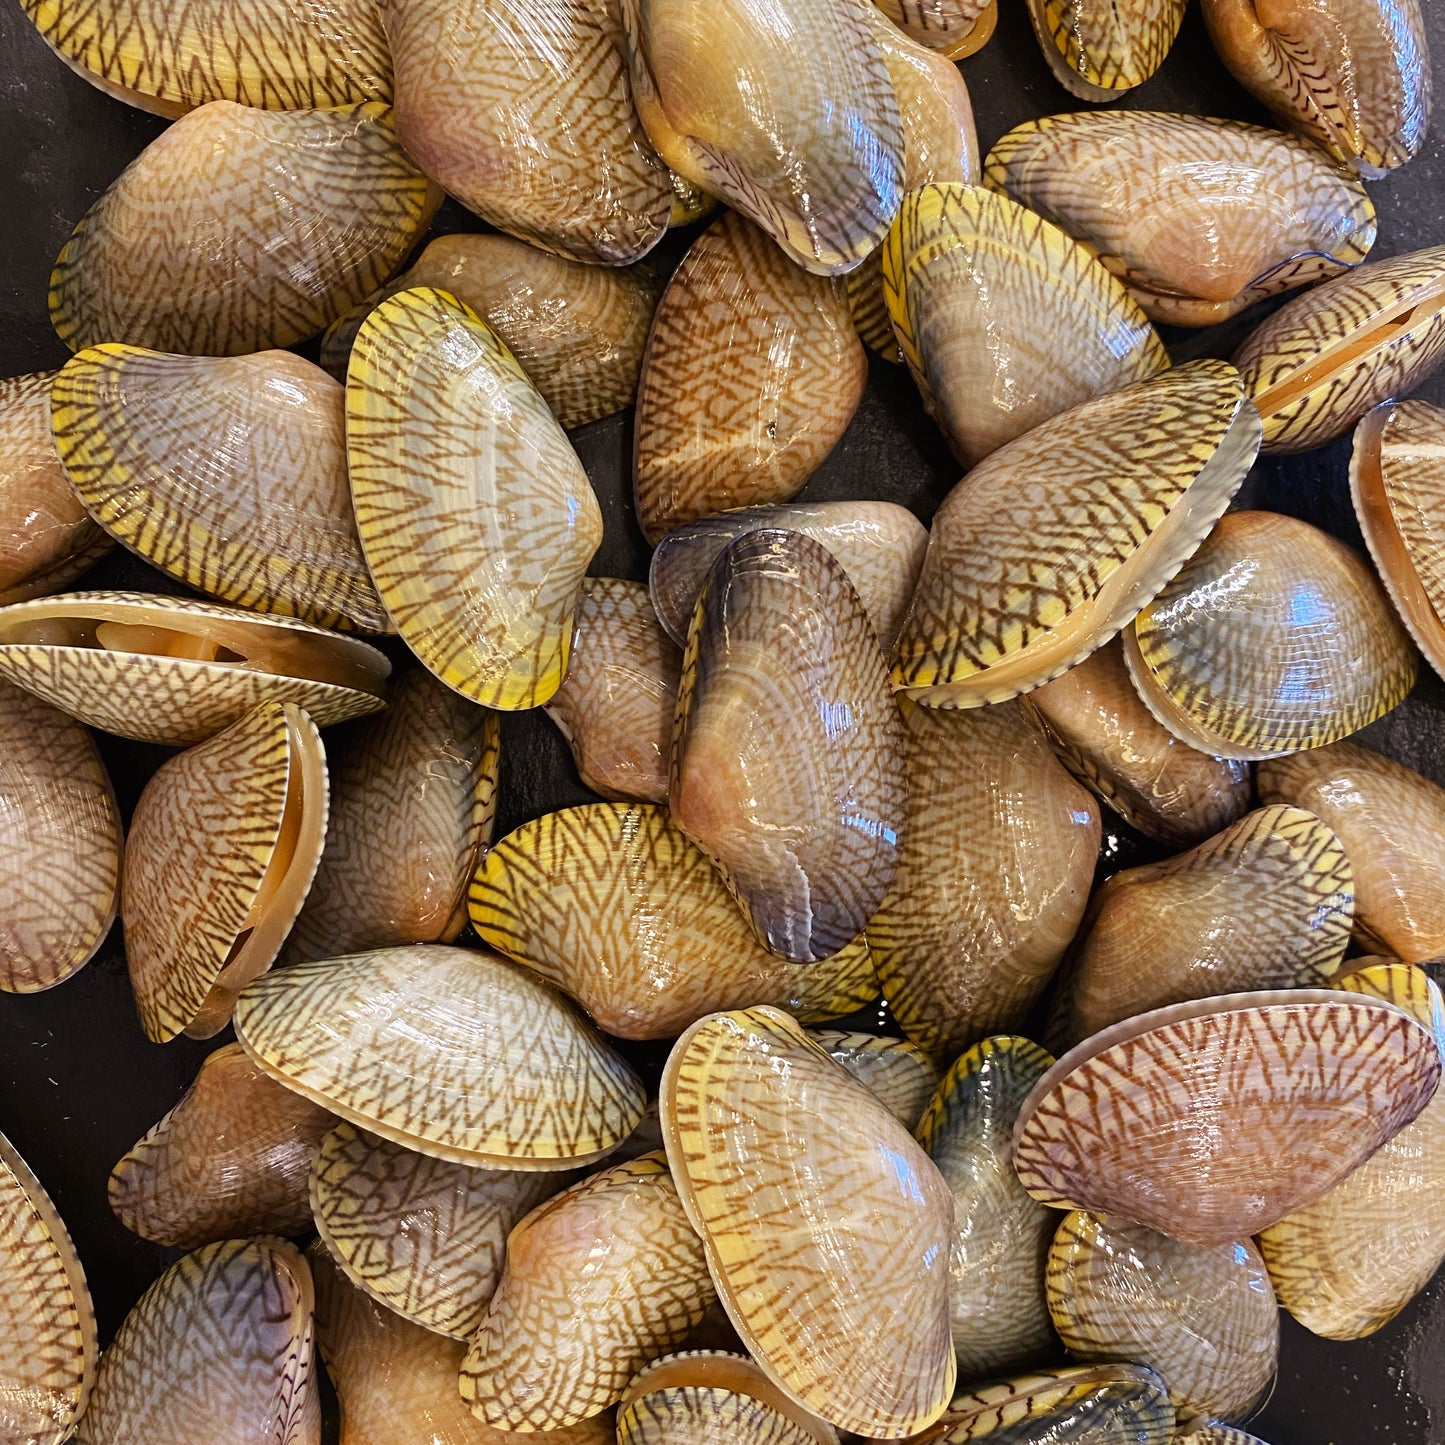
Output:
(1097, 51)
(954, 28)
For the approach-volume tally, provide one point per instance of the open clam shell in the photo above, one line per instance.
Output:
(476, 517)
(231, 1158)
(1324, 359)
(228, 473)
(1097, 52)
(736, 307)
(1198, 217)
(460, 1055)
(612, 903)
(60, 845)
(899, 1073)
(806, 836)
(1275, 637)
(223, 847)
(954, 28)
(998, 1312)
(1210, 1121)
(814, 1171)
(314, 208)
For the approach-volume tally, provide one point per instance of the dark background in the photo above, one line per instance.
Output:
(78, 1080)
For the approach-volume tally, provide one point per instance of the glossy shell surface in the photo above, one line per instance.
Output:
(1099, 51)
(899, 1073)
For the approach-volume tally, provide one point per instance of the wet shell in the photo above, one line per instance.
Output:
(1324, 359)
(231, 1158)
(1214, 1432)
(738, 308)
(1198, 217)
(413, 793)
(224, 1336)
(1211, 1121)
(698, 1415)
(614, 905)
(241, 229)
(60, 845)
(222, 850)
(166, 670)
(476, 517)
(1274, 638)
(1099, 51)
(459, 1055)
(998, 1313)
(899, 1073)
(1203, 1317)
(806, 837)
(954, 28)
(826, 1226)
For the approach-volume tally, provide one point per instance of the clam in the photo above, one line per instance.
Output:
(61, 836)
(1324, 359)
(459, 1055)
(222, 850)
(241, 229)
(1266, 904)
(231, 1158)
(224, 1337)
(476, 517)
(1214, 1432)
(413, 792)
(1198, 217)
(1275, 637)
(1097, 52)
(1354, 77)
(1210, 1121)
(424, 1237)
(1046, 550)
(999, 845)
(998, 1313)
(954, 28)
(826, 1227)
(1392, 824)
(880, 545)
(1003, 320)
(615, 705)
(598, 1281)
(48, 1344)
(805, 835)
(738, 308)
(1204, 1317)
(804, 139)
(899, 1073)
(166, 670)
(525, 115)
(46, 539)
(611, 903)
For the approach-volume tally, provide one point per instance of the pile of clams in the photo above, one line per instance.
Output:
(976, 968)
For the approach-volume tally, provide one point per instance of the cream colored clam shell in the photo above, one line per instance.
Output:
(954, 28)
(899, 1073)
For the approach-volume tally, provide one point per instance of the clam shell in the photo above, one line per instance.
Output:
(737, 308)
(60, 845)
(476, 517)
(613, 904)
(899, 1073)
(826, 1226)
(422, 1236)
(880, 545)
(1275, 637)
(1099, 51)
(1392, 824)
(998, 1313)
(223, 847)
(1204, 1317)
(1324, 359)
(225, 1336)
(616, 704)
(1214, 1432)
(1266, 904)
(1005, 321)
(1198, 217)
(806, 836)
(697, 1415)
(999, 845)
(1211, 1121)
(413, 793)
(954, 28)
(48, 1344)
(231, 1158)
(459, 1055)
(241, 229)
(598, 1281)
(167, 670)
(1041, 554)
(228, 473)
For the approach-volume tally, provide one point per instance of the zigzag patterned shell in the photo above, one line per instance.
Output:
(954, 28)
(1098, 51)
(900, 1074)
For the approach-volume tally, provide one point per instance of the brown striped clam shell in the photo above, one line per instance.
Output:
(954, 28)
(1097, 52)
(899, 1073)
(1214, 1432)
